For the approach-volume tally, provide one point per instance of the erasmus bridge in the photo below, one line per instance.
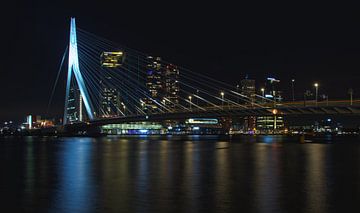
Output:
(108, 83)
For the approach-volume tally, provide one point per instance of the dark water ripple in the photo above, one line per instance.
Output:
(179, 174)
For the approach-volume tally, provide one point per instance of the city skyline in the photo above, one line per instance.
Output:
(131, 106)
(218, 47)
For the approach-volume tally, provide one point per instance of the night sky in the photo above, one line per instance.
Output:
(306, 42)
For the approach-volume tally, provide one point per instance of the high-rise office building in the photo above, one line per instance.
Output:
(162, 83)
(110, 104)
(171, 86)
(154, 83)
(75, 106)
(112, 59)
(248, 89)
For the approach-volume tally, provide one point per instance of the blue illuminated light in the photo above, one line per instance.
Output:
(268, 139)
(73, 66)
(143, 131)
(273, 80)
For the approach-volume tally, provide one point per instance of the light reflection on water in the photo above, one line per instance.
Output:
(178, 174)
(76, 187)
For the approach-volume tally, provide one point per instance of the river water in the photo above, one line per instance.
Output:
(179, 174)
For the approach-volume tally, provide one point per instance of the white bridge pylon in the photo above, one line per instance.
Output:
(73, 67)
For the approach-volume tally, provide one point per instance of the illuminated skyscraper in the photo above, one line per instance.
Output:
(154, 83)
(112, 59)
(110, 96)
(75, 107)
(248, 90)
(110, 100)
(162, 83)
(171, 86)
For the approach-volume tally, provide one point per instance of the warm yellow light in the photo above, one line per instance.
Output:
(262, 89)
(316, 84)
(274, 111)
(222, 93)
(190, 97)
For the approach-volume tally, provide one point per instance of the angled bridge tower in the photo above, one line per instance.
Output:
(74, 70)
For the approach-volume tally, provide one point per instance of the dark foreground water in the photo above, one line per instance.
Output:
(179, 174)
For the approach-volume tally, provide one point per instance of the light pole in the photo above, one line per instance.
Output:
(197, 98)
(316, 85)
(142, 104)
(262, 92)
(292, 89)
(237, 90)
(190, 102)
(222, 99)
(274, 112)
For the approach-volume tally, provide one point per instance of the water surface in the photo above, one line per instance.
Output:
(179, 174)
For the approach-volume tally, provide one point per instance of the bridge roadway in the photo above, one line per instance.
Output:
(337, 107)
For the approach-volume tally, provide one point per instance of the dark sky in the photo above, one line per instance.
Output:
(306, 42)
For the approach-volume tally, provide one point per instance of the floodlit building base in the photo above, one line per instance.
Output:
(132, 128)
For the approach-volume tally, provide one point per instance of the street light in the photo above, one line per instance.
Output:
(316, 85)
(122, 103)
(237, 90)
(274, 112)
(222, 99)
(262, 92)
(142, 103)
(190, 101)
(292, 89)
